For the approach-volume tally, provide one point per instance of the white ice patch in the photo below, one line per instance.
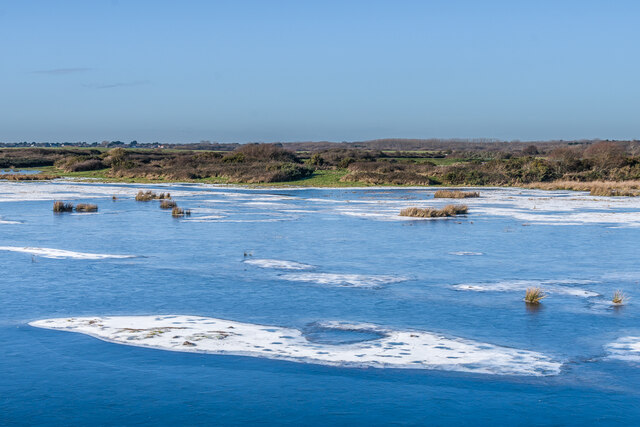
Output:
(67, 190)
(548, 286)
(353, 280)
(409, 349)
(464, 253)
(625, 348)
(61, 254)
(6, 221)
(278, 264)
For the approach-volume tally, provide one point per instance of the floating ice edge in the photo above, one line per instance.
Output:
(404, 349)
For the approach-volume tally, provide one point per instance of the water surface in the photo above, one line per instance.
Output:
(349, 258)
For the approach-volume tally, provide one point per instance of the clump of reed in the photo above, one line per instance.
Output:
(618, 297)
(534, 295)
(455, 194)
(29, 177)
(60, 207)
(177, 212)
(146, 196)
(595, 188)
(447, 211)
(168, 204)
(86, 207)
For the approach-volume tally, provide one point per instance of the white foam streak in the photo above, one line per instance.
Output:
(278, 264)
(625, 348)
(352, 280)
(550, 286)
(410, 349)
(61, 254)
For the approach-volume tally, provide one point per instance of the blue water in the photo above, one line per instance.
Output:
(190, 267)
(19, 171)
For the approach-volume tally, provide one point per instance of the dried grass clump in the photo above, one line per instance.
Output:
(178, 212)
(60, 207)
(168, 204)
(455, 194)
(145, 196)
(447, 211)
(29, 177)
(86, 207)
(534, 295)
(595, 188)
(618, 297)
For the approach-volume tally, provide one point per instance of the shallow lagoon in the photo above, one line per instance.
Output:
(350, 259)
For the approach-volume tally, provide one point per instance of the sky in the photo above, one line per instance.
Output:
(240, 70)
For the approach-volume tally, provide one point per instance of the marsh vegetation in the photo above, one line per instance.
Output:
(455, 194)
(534, 295)
(447, 211)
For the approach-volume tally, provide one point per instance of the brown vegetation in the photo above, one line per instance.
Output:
(29, 177)
(618, 297)
(447, 211)
(168, 204)
(534, 295)
(455, 194)
(86, 207)
(595, 188)
(60, 207)
(178, 212)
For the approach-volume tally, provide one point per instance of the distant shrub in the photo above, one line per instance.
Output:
(86, 165)
(455, 194)
(534, 295)
(85, 207)
(447, 211)
(60, 207)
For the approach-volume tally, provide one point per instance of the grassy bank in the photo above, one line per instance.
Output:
(604, 168)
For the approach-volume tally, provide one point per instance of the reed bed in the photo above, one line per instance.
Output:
(60, 207)
(168, 204)
(534, 295)
(455, 194)
(595, 188)
(146, 196)
(177, 212)
(29, 177)
(447, 211)
(86, 207)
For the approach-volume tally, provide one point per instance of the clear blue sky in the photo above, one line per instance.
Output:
(185, 71)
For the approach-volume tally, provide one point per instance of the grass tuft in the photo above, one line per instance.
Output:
(595, 188)
(455, 194)
(447, 211)
(145, 196)
(60, 207)
(618, 297)
(86, 207)
(168, 204)
(534, 296)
